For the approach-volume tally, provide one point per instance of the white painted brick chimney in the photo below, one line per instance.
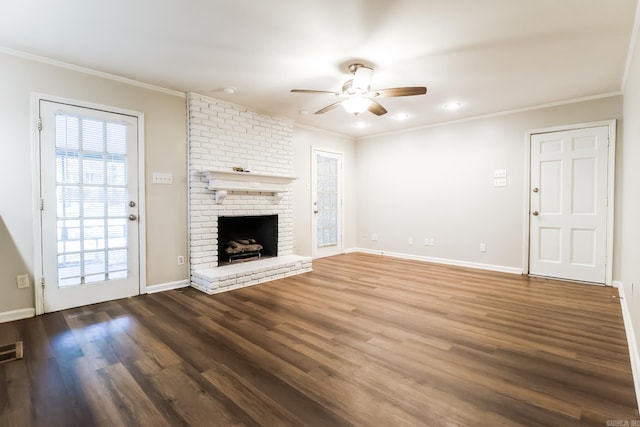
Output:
(223, 136)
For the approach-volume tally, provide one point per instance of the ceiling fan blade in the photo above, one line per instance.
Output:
(401, 91)
(313, 91)
(377, 109)
(328, 108)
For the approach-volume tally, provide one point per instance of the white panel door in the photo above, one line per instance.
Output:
(568, 200)
(89, 191)
(326, 190)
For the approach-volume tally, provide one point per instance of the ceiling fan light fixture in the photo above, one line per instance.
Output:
(362, 77)
(356, 104)
(357, 97)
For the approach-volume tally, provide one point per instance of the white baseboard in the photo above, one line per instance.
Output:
(454, 262)
(634, 353)
(353, 250)
(167, 286)
(10, 316)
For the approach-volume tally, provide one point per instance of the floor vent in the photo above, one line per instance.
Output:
(10, 352)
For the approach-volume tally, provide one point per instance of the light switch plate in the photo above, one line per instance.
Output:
(500, 182)
(500, 173)
(162, 178)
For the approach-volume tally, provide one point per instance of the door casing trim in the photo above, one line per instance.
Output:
(611, 162)
(38, 273)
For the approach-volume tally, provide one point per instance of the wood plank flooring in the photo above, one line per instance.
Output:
(361, 341)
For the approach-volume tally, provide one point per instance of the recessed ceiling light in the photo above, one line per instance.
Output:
(451, 106)
(230, 90)
(360, 125)
(401, 116)
(303, 112)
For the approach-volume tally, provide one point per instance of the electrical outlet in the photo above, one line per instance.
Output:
(23, 281)
(180, 260)
(483, 247)
(426, 241)
(432, 242)
(411, 240)
(374, 237)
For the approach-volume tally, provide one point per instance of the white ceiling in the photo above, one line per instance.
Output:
(491, 55)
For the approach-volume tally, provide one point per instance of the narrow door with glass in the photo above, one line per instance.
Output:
(327, 203)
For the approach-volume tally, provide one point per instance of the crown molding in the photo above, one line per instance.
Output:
(325, 131)
(89, 71)
(497, 114)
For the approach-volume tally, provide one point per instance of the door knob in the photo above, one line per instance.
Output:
(535, 190)
(132, 217)
(132, 203)
(535, 213)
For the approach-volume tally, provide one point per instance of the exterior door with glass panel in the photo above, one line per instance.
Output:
(89, 192)
(568, 199)
(327, 203)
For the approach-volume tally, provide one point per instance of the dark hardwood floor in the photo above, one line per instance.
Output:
(363, 340)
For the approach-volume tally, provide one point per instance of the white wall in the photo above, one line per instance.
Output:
(629, 223)
(438, 183)
(165, 151)
(304, 140)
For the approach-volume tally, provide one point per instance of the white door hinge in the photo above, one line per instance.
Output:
(39, 121)
(42, 282)
(41, 204)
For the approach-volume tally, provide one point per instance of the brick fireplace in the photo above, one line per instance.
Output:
(223, 137)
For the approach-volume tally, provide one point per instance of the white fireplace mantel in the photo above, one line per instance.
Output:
(223, 181)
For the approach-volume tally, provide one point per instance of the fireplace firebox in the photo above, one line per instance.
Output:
(245, 238)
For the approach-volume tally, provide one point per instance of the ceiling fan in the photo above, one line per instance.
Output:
(358, 96)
